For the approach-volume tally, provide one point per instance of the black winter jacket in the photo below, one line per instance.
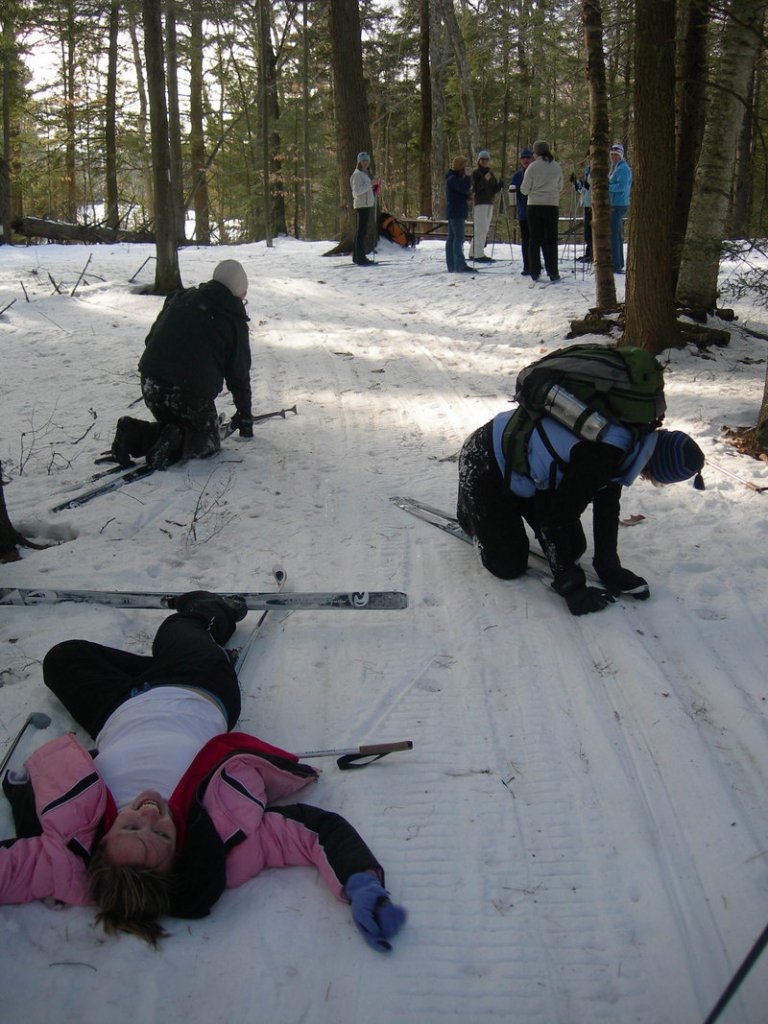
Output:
(199, 342)
(485, 190)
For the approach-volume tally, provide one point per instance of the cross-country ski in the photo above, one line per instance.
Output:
(361, 600)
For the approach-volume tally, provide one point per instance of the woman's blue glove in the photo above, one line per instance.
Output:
(377, 918)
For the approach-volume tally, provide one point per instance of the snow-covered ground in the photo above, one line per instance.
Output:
(580, 833)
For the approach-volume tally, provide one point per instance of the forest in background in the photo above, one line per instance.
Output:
(215, 121)
(77, 92)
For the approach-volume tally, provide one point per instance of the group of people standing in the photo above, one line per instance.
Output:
(536, 186)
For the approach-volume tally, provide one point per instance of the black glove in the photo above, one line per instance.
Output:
(621, 581)
(587, 599)
(572, 179)
(242, 423)
(581, 600)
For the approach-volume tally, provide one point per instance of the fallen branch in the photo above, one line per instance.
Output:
(82, 275)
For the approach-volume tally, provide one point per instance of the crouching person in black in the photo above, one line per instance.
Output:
(565, 475)
(198, 343)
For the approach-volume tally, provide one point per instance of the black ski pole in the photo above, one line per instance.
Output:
(280, 576)
(353, 757)
(271, 415)
(40, 721)
(738, 977)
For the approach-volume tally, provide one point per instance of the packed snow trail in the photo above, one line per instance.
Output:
(580, 831)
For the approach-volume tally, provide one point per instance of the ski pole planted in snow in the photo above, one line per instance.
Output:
(350, 757)
(39, 720)
(280, 576)
(734, 476)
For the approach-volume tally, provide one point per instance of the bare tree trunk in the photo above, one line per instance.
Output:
(745, 162)
(465, 80)
(305, 111)
(112, 218)
(264, 119)
(199, 199)
(697, 283)
(174, 122)
(141, 121)
(353, 130)
(167, 276)
(70, 120)
(650, 307)
(691, 97)
(425, 112)
(438, 49)
(276, 181)
(761, 432)
(8, 57)
(592, 19)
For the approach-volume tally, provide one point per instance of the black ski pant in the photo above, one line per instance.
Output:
(91, 680)
(588, 232)
(197, 417)
(525, 241)
(543, 227)
(359, 248)
(489, 512)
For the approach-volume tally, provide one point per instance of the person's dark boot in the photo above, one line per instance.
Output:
(167, 449)
(133, 438)
(220, 613)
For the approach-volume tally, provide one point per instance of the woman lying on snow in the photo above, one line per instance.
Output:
(99, 830)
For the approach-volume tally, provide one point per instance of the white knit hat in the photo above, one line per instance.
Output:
(231, 274)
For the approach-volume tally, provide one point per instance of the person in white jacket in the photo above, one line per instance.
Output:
(542, 184)
(364, 193)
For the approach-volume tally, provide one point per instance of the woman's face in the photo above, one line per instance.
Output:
(143, 834)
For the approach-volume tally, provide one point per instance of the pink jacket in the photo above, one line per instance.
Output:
(73, 806)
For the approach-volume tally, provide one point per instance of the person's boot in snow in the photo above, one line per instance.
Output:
(133, 439)
(168, 447)
(221, 613)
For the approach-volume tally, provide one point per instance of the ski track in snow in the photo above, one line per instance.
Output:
(580, 832)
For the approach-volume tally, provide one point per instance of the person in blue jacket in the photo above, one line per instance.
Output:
(521, 202)
(619, 189)
(457, 188)
(566, 474)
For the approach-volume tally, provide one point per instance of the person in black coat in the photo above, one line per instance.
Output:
(198, 343)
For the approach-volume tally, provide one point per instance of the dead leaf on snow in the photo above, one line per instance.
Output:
(632, 520)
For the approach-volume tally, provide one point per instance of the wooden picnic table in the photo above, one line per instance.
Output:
(437, 227)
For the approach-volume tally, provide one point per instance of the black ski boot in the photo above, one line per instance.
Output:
(220, 613)
(133, 439)
(167, 449)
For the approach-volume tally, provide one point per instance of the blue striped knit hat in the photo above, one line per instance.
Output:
(676, 457)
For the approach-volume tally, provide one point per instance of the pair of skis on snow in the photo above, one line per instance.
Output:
(386, 600)
(108, 480)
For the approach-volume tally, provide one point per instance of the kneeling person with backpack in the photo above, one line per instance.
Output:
(544, 463)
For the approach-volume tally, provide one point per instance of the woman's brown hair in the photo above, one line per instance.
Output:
(129, 899)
